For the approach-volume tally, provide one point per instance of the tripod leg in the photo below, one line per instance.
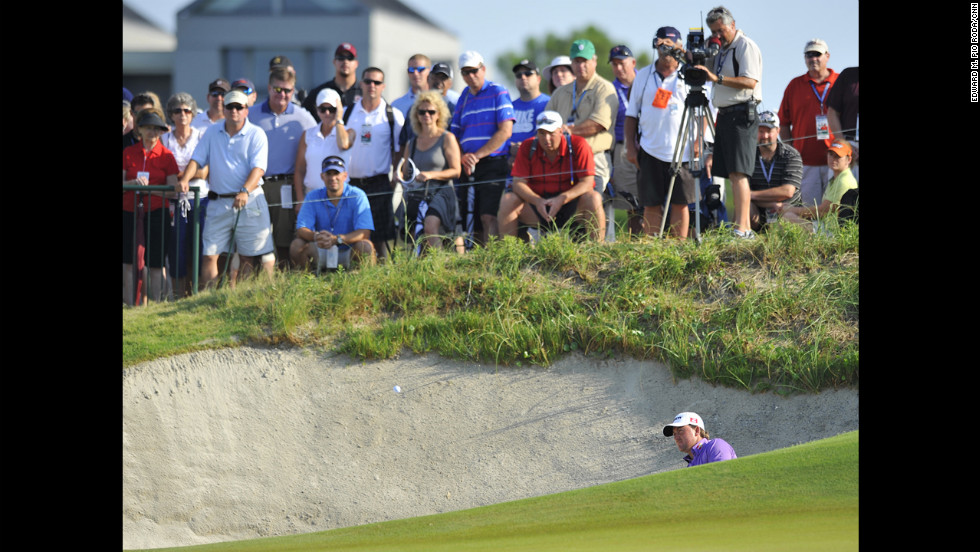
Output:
(675, 167)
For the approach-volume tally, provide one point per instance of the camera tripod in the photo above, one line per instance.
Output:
(696, 111)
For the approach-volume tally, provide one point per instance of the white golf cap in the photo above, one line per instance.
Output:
(683, 419)
(328, 96)
(470, 58)
(548, 120)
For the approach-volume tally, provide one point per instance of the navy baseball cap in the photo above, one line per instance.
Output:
(333, 163)
(620, 52)
(669, 32)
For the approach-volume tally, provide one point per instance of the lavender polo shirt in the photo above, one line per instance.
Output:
(710, 450)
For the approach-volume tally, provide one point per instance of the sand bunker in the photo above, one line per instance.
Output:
(244, 443)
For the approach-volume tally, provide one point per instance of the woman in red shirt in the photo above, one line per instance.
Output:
(147, 163)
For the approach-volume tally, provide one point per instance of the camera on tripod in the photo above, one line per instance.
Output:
(698, 53)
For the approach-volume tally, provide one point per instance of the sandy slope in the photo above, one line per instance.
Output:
(243, 443)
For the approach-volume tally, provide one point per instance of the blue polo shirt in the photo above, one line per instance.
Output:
(477, 117)
(623, 92)
(352, 212)
(284, 132)
(231, 158)
(710, 450)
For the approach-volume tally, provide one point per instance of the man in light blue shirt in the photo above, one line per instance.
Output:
(692, 439)
(236, 153)
(284, 123)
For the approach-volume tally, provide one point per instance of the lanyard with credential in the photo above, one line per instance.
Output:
(576, 98)
(820, 97)
(768, 176)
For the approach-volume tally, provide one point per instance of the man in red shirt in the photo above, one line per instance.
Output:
(803, 112)
(553, 182)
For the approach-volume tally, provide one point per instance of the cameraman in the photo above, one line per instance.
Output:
(653, 123)
(736, 92)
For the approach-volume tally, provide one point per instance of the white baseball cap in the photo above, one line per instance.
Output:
(470, 58)
(328, 96)
(548, 120)
(683, 419)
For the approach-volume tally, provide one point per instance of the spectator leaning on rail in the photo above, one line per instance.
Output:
(147, 163)
(236, 153)
(692, 439)
(806, 126)
(553, 182)
(737, 78)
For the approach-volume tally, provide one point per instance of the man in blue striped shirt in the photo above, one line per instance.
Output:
(775, 181)
(483, 122)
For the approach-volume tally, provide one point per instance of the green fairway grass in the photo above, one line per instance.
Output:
(800, 498)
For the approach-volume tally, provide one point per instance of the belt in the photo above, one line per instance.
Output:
(744, 106)
(213, 195)
(275, 177)
(359, 181)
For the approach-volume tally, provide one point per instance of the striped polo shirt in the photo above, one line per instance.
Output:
(477, 117)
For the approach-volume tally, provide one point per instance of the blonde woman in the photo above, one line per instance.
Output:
(431, 198)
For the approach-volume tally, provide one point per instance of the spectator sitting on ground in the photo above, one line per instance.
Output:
(337, 215)
(554, 176)
(775, 182)
(839, 160)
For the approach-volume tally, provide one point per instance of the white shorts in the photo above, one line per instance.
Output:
(253, 234)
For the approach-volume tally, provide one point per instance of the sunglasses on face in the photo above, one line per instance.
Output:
(281, 90)
(518, 74)
(427, 112)
(344, 58)
(374, 82)
(234, 107)
(217, 93)
(813, 55)
(418, 69)
(469, 71)
(180, 110)
(326, 109)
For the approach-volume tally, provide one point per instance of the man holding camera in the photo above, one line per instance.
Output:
(737, 89)
(653, 123)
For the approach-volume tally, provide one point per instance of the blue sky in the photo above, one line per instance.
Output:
(780, 29)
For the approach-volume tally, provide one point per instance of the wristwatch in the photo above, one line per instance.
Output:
(340, 239)
(721, 79)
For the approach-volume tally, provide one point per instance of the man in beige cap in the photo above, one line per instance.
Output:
(803, 113)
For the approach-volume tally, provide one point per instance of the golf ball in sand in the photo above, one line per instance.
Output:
(398, 389)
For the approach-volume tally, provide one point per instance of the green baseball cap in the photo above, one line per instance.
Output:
(582, 48)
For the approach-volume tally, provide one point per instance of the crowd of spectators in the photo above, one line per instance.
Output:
(339, 177)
